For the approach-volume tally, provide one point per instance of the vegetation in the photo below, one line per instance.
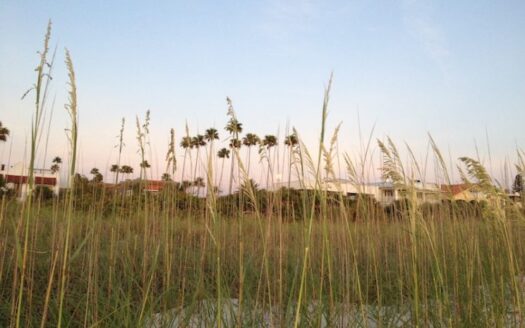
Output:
(56, 164)
(4, 132)
(116, 255)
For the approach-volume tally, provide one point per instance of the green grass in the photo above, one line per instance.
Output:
(116, 276)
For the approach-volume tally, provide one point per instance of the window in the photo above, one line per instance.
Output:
(351, 195)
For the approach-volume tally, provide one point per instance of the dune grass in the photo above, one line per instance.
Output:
(466, 267)
(121, 257)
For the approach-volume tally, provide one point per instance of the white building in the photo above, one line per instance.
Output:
(383, 192)
(388, 192)
(16, 178)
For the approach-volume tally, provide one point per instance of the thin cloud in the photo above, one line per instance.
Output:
(285, 19)
(419, 20)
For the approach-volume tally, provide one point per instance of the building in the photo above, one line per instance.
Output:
(423, 192)
(464, 192)
(127, 187)
(385, 192)
(344, 186)
(154, 185)
(16, 178)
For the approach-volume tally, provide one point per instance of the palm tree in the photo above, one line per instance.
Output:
(115, 169)
(250, 140)
(144, 165)
(235, 143)
(166, 177)
(199, 182)
(269, 142)
(197, 142)
(126, 169)
(56, 164)
(55, 168)
(4, 132)
(291, 141)
(97, 177)
(234, 127)
(223, 153)
(184, 185)
(211, 134)
(186, 144)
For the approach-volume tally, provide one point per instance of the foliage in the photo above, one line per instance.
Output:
(518, 184)
(4, 132)
(44, 193)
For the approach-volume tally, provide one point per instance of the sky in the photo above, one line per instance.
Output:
(454, 69)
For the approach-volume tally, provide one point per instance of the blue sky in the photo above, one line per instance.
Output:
(455, 69)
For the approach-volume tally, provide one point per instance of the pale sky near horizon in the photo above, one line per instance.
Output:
(455, 69)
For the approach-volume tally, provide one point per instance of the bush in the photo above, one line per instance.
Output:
(44, 193)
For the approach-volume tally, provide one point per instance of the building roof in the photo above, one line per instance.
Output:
(22, 179)
(154, 185)
(149, 185)
(455, 189)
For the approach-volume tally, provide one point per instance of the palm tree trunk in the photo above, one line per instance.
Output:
(183, 165)
(269, 170)
(249, 159)
(118, 163)
(268, 175)
(222, 171)
(210, 169)
(290, 167)
(196, 165)
(231, 175)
